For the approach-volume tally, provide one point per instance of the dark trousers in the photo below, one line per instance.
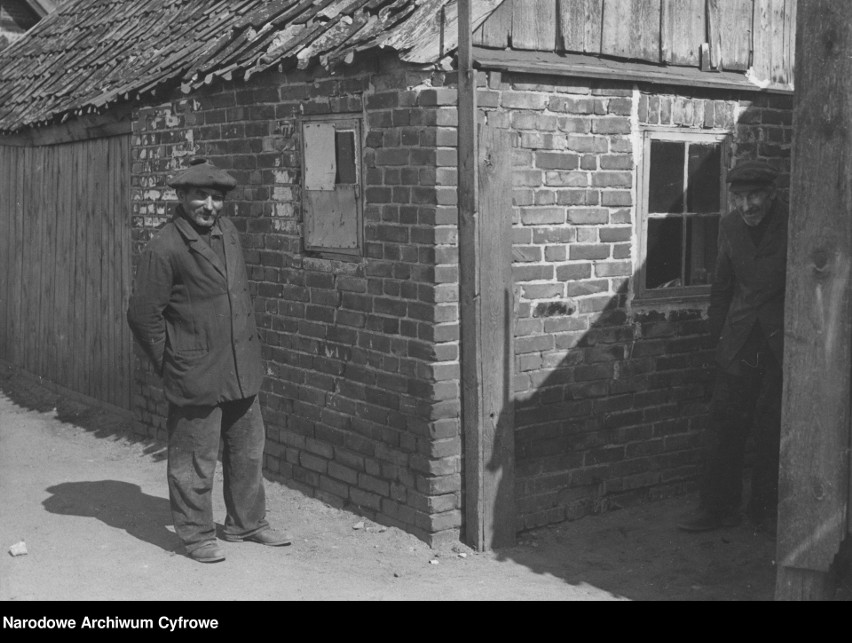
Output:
(745, 401)
(194, 437)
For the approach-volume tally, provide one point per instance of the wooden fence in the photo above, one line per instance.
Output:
(65, 264)
(740, 34)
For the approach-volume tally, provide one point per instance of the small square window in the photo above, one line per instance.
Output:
(331, 185)
(682, 198)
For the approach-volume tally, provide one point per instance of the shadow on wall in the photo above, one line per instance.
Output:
(616, 413)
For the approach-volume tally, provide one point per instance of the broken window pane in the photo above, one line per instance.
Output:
(705, 177)
(665, 193)
(665, 252)
(344, 145)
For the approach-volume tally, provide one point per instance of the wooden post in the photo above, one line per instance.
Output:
(814, 465)
(485, 296)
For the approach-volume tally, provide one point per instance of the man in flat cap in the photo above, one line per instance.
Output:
(746, 315)
(191, 313)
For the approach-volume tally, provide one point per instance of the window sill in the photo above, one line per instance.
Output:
(649, 299)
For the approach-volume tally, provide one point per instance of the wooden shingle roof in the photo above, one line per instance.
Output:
(89, 54)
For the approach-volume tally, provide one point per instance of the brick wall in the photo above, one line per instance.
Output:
(361, 399)
(362, 395)
(610, 394)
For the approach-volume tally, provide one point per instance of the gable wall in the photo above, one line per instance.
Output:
(610, 395)
(361, 398)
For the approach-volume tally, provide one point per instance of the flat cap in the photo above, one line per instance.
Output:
(751, 175)
(201, 173)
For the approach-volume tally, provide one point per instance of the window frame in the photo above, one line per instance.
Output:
(348, 122)
(650, 134)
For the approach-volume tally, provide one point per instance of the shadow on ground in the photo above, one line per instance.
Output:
(118, 504)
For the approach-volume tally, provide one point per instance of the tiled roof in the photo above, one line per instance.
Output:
(89, 54)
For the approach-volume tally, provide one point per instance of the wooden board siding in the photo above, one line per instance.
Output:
(631, 29)
(730, 33)
(534, 25)
(682, 30)
(495, 32)
(65, 257)
(740, 33)
(580, 22)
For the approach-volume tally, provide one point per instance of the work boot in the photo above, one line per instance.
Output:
(209, 552)
(268, 537)
(704, 520)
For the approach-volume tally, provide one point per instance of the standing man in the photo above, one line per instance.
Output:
(192, 315)
(746, 315)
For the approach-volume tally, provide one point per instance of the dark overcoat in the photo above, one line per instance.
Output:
(748, 285)
(193, 316)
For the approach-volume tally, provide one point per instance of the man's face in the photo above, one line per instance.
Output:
(753, 205)
(202, 205)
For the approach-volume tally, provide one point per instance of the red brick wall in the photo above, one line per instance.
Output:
(361, 399)
(610, 393)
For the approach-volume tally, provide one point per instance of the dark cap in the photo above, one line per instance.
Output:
(752, 175)
(201, 173)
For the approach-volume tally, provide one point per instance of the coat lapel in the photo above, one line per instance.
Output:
(198, 245)
(230, 242)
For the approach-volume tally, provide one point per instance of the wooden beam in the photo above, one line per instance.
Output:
(114, 123)
(496, 336)
(815, 433)
(485, 315)
(471, 376)
(580, 66)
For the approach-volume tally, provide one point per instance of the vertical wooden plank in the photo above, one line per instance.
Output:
(5, 253)
(113, 276)
(93, 294)
(468, 284)
(37, 211)
(496, 336)
(631, 29)
(581, 25)
(32, 256)
(615, 36)
(534, 25)
(815, 429)
(762, 40)
(123, 208)
(67, 237)
(729, 30)
(86, 299)
(737, 52)
(682, 30)
(77, 210)
(47, 315)
(17, 279)
(53, 325)
(778, 64)
(495, 31)
(60, 309)
(790, 41)
(45, 263)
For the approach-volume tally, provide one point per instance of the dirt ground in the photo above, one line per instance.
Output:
(89, 501)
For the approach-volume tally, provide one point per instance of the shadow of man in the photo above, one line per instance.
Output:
(121, 505)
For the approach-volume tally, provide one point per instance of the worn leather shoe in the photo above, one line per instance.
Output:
(709, 521)
(268, 537)
(207, 553)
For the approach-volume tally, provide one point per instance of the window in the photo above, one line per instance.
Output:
(331, 185)
(682, 197)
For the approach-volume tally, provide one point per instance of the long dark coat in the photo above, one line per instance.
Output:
(193, 316)
(748, 285)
